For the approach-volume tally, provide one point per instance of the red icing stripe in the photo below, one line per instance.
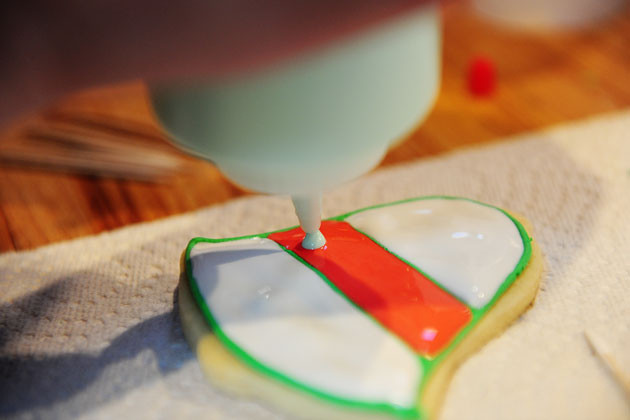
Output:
(395, 294)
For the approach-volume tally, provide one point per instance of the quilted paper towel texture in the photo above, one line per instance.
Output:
(89, 328)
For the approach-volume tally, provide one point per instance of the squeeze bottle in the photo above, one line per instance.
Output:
(310, 124)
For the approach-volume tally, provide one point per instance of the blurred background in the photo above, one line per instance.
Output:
(93, 160)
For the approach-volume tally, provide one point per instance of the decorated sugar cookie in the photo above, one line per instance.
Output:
(373, 324)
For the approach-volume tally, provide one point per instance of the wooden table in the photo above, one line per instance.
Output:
(543, 79)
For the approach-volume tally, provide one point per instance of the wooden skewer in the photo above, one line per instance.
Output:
(601, 350)
(105, 151)
(105, 123)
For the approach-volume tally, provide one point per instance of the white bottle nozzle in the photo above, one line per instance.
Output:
(308, 208)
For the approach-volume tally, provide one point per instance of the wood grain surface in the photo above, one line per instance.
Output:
(542, 79)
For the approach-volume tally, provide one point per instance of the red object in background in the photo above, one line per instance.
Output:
(481, 76)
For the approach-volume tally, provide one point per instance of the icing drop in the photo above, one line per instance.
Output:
(466, 247)
(308, 208)
(314, 240)
(399, 297)
(281, 315)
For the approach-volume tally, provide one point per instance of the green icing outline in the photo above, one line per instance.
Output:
(427, 364)
(401, 412)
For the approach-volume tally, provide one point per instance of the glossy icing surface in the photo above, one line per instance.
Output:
(310, 318)
(283, 316)
(466, 247)
(399, 297)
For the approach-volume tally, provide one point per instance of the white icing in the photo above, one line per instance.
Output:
(466, 247)
(286, 317)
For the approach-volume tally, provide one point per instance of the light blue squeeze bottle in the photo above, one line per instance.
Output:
(312, 124)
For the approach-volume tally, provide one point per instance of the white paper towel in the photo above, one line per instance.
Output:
(88, 328)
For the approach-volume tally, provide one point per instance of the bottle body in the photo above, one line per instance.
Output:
(311, 124)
